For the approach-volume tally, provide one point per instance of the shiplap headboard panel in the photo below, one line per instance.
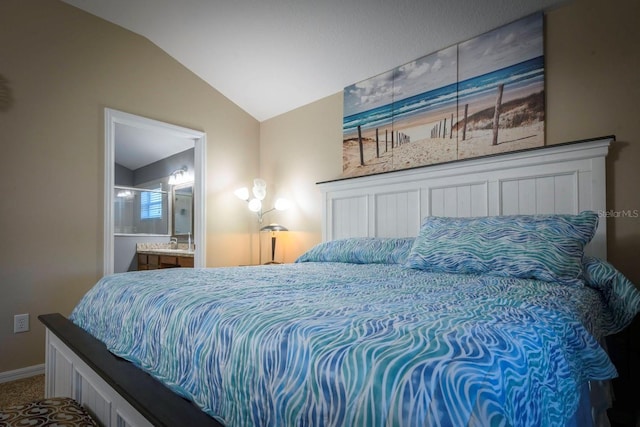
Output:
(566, 178)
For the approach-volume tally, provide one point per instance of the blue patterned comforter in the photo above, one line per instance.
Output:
(337, 344)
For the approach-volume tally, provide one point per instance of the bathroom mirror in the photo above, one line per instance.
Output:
(183, 209)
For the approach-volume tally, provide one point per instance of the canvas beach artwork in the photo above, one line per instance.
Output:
(479, 97)
(501, 103)
(368, 114)
(424, 110)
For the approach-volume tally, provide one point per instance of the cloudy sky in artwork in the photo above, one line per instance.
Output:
(368, 94)
(508, 45)
(496, 49)
(419, 76)
(425, 74)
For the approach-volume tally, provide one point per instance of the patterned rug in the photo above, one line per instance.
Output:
(57, 411)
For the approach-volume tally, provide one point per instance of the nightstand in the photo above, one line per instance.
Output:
(624, 350)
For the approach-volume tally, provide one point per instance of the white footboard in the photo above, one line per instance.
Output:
(66, 375)
(113, 390)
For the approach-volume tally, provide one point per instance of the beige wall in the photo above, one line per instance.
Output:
(593, 88)
(301, 148)
(64, 67)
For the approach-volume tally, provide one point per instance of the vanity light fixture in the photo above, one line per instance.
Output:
(178, 176)
(259, 191)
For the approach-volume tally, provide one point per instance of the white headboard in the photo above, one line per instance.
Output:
(565, 178)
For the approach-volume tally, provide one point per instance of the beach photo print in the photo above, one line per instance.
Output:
(480, 97)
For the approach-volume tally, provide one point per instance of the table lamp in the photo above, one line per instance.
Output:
(273, 228)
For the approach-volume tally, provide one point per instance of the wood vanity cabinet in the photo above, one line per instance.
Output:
(185, 261)
(154, 262)
(148, 262)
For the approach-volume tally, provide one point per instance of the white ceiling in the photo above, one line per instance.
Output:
(137, 147)
(272, 56)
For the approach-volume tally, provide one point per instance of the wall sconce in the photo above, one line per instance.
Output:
(273, 228)
(259, 191)
(179, 176)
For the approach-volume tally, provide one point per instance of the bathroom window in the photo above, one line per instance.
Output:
(151, 204)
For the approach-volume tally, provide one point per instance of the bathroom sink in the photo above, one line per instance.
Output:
(175, 251)
(166, 251)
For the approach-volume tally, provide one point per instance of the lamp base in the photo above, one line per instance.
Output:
(272, 262)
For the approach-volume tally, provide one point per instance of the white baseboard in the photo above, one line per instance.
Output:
(17, 374)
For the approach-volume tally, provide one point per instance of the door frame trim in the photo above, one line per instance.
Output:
(113, 117)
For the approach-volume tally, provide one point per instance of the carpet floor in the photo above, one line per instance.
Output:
(21, 391)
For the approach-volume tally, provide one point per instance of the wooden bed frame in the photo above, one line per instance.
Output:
(566, 178)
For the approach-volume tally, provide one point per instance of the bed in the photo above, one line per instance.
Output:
(451, 299)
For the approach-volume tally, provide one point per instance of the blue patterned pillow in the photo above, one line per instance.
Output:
(543, 247)
(619, 293)
(361, 250)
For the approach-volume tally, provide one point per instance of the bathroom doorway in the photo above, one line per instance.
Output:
(138, 141)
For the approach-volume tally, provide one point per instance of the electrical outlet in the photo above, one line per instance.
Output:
(20, 323)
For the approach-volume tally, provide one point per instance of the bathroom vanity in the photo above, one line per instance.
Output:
(155, 256)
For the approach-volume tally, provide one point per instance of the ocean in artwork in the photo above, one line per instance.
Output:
(415, 118)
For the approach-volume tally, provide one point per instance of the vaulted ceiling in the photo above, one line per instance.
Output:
(272, 56)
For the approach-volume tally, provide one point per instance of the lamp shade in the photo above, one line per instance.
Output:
(255, 205)
(282, 205)
(274, 227)
(242, 193)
